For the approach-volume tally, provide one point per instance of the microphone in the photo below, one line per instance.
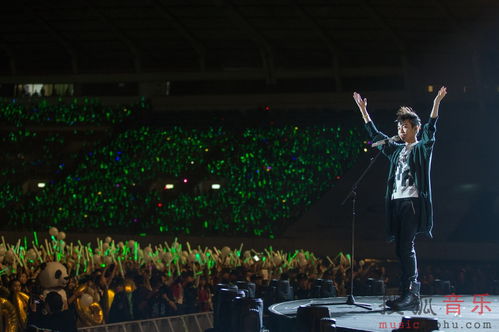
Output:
(395, 138)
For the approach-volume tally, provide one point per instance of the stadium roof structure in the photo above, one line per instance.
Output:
(265, 38)
(338, 44)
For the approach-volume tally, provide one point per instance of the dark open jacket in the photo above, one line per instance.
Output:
(419, 164)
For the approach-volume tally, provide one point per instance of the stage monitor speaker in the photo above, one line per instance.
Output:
(222, 310)
(251, 287)
(308, 318)
(327, 325)
(269, 296)
(216, 302)
(418, 324)
(217, 289)
(284, 291)
(247, 315)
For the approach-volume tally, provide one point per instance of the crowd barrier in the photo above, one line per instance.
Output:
(198, 322)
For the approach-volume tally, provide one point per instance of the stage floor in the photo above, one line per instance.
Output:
(456, 313)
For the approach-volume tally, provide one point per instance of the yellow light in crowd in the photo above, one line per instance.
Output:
(41, 184)
(429, 88)
(169, 186)
(215, 186)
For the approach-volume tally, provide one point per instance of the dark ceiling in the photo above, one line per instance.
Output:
(272, 36)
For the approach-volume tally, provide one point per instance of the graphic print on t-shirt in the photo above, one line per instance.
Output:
(404, 186)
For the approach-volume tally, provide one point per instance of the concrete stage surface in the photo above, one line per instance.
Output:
(451, 314)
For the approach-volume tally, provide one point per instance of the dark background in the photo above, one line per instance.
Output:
(255, 62)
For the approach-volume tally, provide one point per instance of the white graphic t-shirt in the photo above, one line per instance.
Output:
(404, 186)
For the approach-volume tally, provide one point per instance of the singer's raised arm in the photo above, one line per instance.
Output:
(374, 133)
(362, 104)
(436, 102)
(428, 136)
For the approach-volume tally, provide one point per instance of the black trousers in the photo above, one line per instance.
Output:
(405, 214)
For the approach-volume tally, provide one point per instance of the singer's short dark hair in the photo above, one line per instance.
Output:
(406, 113)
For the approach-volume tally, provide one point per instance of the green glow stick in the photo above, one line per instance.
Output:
(49, 252)
(330, 261)
(35, 236)
(121, 267)
(37, 252)
(91, 255)
(78, 262)
(178, 268)
(136, 251)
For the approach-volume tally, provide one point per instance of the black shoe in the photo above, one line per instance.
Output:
(390, 303)
(402, 290)
(409, 300)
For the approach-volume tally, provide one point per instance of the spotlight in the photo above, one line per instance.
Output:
(207, 186)
(169, 186)
(41, 184)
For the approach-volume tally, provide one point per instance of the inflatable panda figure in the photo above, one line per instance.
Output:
(54, 278)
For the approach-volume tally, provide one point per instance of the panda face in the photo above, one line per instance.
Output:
(53, 275)
(62, 277)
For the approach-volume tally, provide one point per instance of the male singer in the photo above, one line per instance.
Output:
(408, 192)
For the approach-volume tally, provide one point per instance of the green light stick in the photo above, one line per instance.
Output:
(35, 236)
(136, 250)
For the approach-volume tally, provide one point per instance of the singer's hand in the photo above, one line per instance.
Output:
(436, 103)
(362, 103)
(441, 94)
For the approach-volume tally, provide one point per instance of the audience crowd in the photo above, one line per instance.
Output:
(268, 176)
(114, 282)
(78, 111)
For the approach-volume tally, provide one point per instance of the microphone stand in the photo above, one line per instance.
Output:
(353, 194)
